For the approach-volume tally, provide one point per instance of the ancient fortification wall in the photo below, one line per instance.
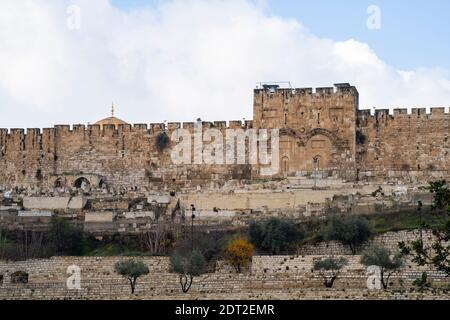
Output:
(323, 124)
(123, 157)
(413, 146)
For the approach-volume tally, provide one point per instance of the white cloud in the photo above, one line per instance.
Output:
(177, 62)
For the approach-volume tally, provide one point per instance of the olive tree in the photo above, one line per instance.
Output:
(350, 231)
(131, 270)
(187, 265)
(274, 235)
(329, 268)
(382, 258)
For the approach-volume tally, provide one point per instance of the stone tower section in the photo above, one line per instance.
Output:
(316, 124)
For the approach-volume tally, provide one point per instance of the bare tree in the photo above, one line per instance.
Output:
(32, 245)
(155, 241)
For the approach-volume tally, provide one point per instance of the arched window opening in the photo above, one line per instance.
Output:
(82, 183)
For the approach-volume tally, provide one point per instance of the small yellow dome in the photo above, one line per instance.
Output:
(111, 120)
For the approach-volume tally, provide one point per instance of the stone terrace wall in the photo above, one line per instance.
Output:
(274, 277)
(389, 240)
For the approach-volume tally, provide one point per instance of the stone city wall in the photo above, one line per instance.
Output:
(324, 124)
(404, 146)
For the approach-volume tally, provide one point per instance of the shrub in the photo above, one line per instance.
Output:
(329, 268)
(64, 238)
(274, 235)
(187, 265)
(210, 245)
(381, 257)
(239, 253)
(352, 231)
(131, 270)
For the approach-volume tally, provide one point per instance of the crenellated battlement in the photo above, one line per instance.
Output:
(431, 114)
(324, 123)
(95, 130)
(320, 92)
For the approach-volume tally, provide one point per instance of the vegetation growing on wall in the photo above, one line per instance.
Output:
(162, 141)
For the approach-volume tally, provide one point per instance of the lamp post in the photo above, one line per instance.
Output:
(192, 228)
(315, 162)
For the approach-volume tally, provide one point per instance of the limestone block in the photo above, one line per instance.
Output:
(137, 215)
(160, 199)
(77, 203)
(35, 213)
(211, 215)
(54, 203)
(98, 217)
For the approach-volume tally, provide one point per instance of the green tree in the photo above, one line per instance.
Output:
(381, 257)
(274, 235)
(350, 231)
(441, 191)
(330, 268)
(436, 255)
(187, 265)
(131, 270)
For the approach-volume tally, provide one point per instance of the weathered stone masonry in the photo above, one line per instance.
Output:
(269, 277)
(326, 123)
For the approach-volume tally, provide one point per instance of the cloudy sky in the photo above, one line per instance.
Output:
(64, 62)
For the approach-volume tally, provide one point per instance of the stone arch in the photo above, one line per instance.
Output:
(302, 139)
(101, 184)
(318, 147)
(290, 133)
(80, 182)
(319, 131)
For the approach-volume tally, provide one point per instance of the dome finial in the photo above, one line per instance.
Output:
(112, 110)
